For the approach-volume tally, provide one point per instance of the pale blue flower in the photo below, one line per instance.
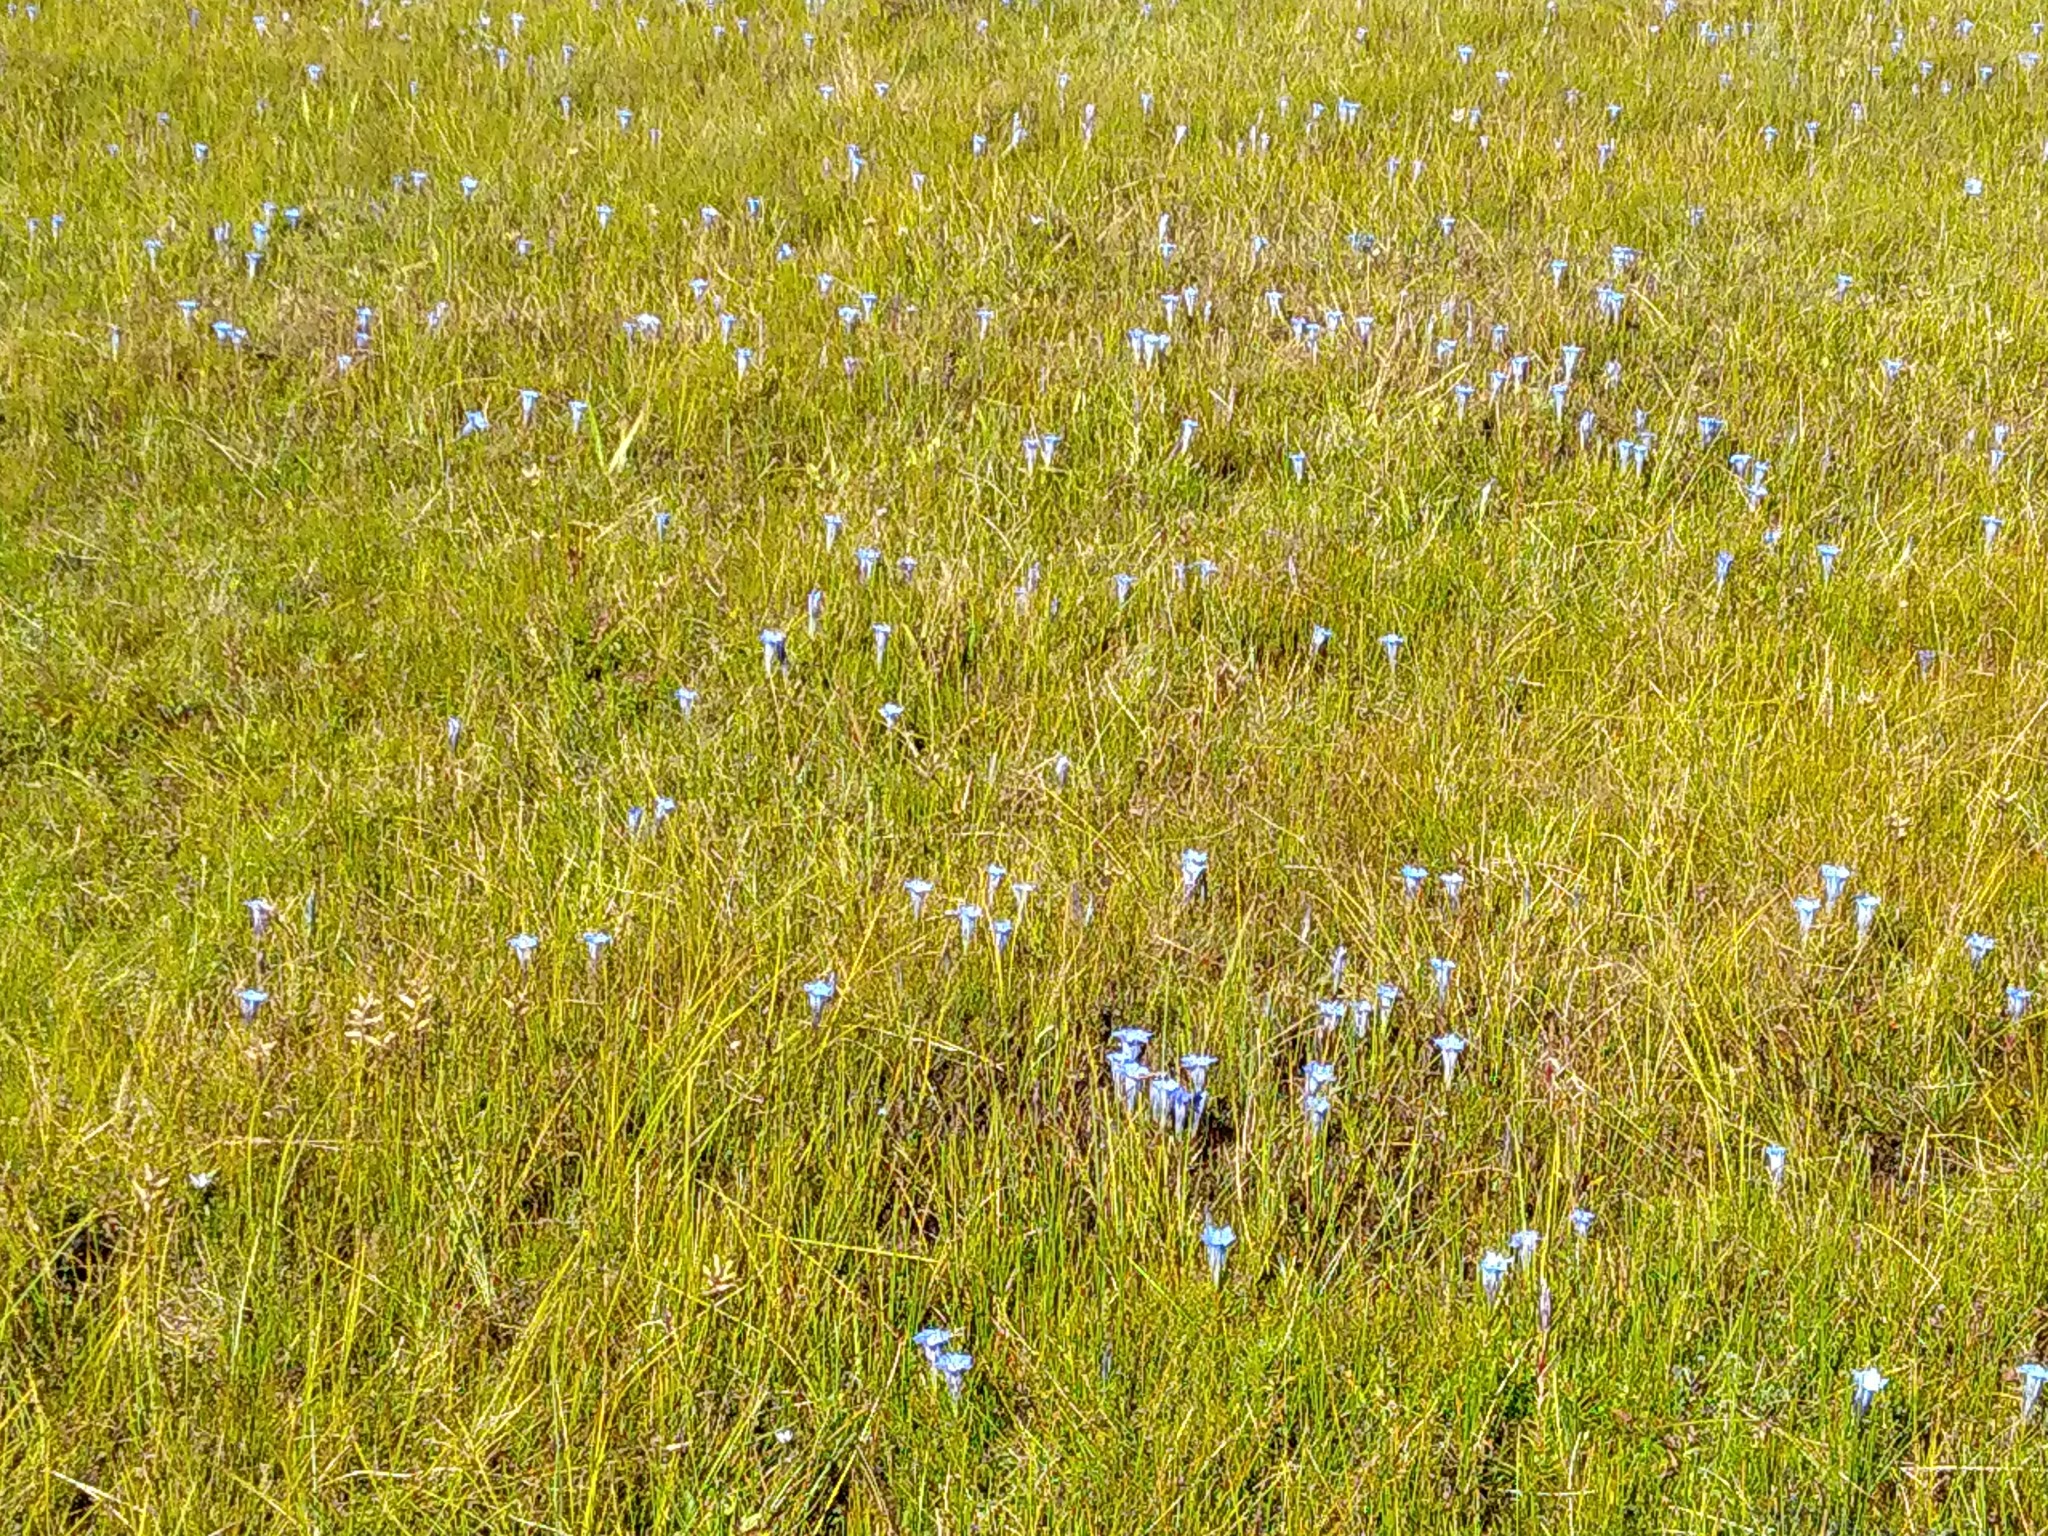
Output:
(2016, 1000)
(2031, 1375)
(932, 1342)
(1385, 995)
(522, 946)
(1524, 1244)
(953, 1367)
(1412, 876)
(1868, 1382)
(1977, 946)
(818, 992)
(250, 1001)
(1834, 879)
(1194, 873)
(1866, 914)
(1440, 970)
(968, 915)
(1450, 1045)
(918, 891)
(1493, 1270)
(1216, 1242)
(1315, 1108)
(1775, 1158)
(1806, 909)
(261, 911)
(1582, 1222)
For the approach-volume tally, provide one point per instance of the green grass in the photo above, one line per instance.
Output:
(637, 1247)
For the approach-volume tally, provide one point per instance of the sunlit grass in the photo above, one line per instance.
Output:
(440, 1241)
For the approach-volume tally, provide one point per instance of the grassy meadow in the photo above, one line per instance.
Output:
(411, 419)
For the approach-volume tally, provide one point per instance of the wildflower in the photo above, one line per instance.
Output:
(1774, 1164)
(1392, 644)
(1449, 1046)
(250, 1001)
(1977, 946)
(932, 1343)
(918, 891)
(1869, 1381)
(1866, 914)
(453, 728)
(1162, 1089)
(1834, 878)
(1316, 1109)
(1130, 1041)
(953, 1367)
(1385, 995)
(1197, 1069)
(1806, 909)
(522, 946)
(774, 651)
(1724, 562)
(1020, 893)
(2031, 1375)
(686, 701)
(2016, 1000)
(1216, 1242)
(1582, 1222)
(1440, 969)
(891, 714)
(818, 992)
(1194, 873)
(260, 914)
(1493, 1269)
(999, 930)
(881, 632)
(967, 915)
(1412, 876)
(1454, 886)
